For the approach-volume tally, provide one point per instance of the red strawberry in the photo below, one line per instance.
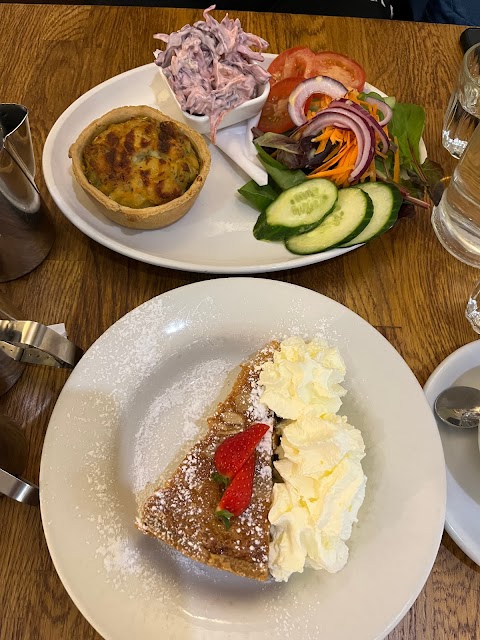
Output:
(233, 452)
(238, 494)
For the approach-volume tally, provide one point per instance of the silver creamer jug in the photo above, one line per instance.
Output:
(22, 342)
(26, 232)
(26, 341)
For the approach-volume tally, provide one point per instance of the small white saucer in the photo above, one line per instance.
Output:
(461, 449)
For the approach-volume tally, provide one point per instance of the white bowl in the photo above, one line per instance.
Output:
(244, 111)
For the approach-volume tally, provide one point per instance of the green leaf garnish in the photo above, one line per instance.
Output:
(224, 516)
(220, 479)
(283, 177)
(259, 197)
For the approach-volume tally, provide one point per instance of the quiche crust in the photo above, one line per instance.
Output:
(152, 217)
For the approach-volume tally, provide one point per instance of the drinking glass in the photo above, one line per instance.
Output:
(456, 219)
(463, 111)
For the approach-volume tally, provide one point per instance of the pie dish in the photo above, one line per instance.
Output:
(177, 142)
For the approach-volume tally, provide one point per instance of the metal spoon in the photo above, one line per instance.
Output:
(459, 407)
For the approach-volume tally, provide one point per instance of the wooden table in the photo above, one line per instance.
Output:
(403, 283)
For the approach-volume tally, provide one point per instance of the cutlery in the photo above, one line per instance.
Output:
(458, 407)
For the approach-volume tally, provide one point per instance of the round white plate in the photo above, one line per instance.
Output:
(462, 456)
(214, 237)
(133, 404)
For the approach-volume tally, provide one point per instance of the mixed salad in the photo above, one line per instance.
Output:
(343, 162)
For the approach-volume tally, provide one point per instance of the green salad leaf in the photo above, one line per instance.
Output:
(258, 196)
(406, 125)
(283, 177)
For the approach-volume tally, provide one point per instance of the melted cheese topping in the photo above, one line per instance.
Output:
(141, 163)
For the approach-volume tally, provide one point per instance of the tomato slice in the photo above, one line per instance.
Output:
(291, 63)
(339, 67)
(274, 116)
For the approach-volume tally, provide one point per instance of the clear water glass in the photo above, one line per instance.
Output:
(456, 219)
(463, 111)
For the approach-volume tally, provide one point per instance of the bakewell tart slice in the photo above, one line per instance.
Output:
(184, 511)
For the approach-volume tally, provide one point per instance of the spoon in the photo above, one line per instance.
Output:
(459, 407)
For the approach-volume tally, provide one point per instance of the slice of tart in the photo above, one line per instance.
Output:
(181, 512)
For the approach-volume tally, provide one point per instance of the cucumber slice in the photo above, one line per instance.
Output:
(387, 201)
(297, 210)
(350, 215)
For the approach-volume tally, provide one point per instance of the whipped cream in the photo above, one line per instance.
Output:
(303, 376)
(319, 460)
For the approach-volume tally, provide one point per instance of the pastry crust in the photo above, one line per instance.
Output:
(180, 510)
(149, 217)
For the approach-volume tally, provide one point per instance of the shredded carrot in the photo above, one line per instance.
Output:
(322, 145)
(323, 136)
(396, 162)
(319, 101)
(353, 96)
(370, 173)
(330, 172)
(333, 158)
(351, 156)
(340, 161)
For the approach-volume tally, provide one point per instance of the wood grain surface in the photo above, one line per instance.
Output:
(403, 283)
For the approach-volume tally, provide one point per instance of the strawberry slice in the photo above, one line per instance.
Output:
(233, 452)
(238, 494)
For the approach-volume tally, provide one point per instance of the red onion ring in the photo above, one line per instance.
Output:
(383, 107)
(362, 131)
(351, 106)
(301, 93)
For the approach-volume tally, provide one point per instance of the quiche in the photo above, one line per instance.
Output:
(143, 167)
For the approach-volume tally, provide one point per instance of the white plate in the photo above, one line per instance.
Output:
(462, 456)
(214, 237)
(130, 407)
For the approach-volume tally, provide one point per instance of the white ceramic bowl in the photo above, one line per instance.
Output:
(244, 111)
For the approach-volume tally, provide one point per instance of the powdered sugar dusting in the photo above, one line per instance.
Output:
(190, 396)
(258, 411)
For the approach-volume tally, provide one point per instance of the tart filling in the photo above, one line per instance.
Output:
(141, 163)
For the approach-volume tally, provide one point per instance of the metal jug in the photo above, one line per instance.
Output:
(10, 369)
(13, 458)
(25, 341)
(21, 342)
(26, 232)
